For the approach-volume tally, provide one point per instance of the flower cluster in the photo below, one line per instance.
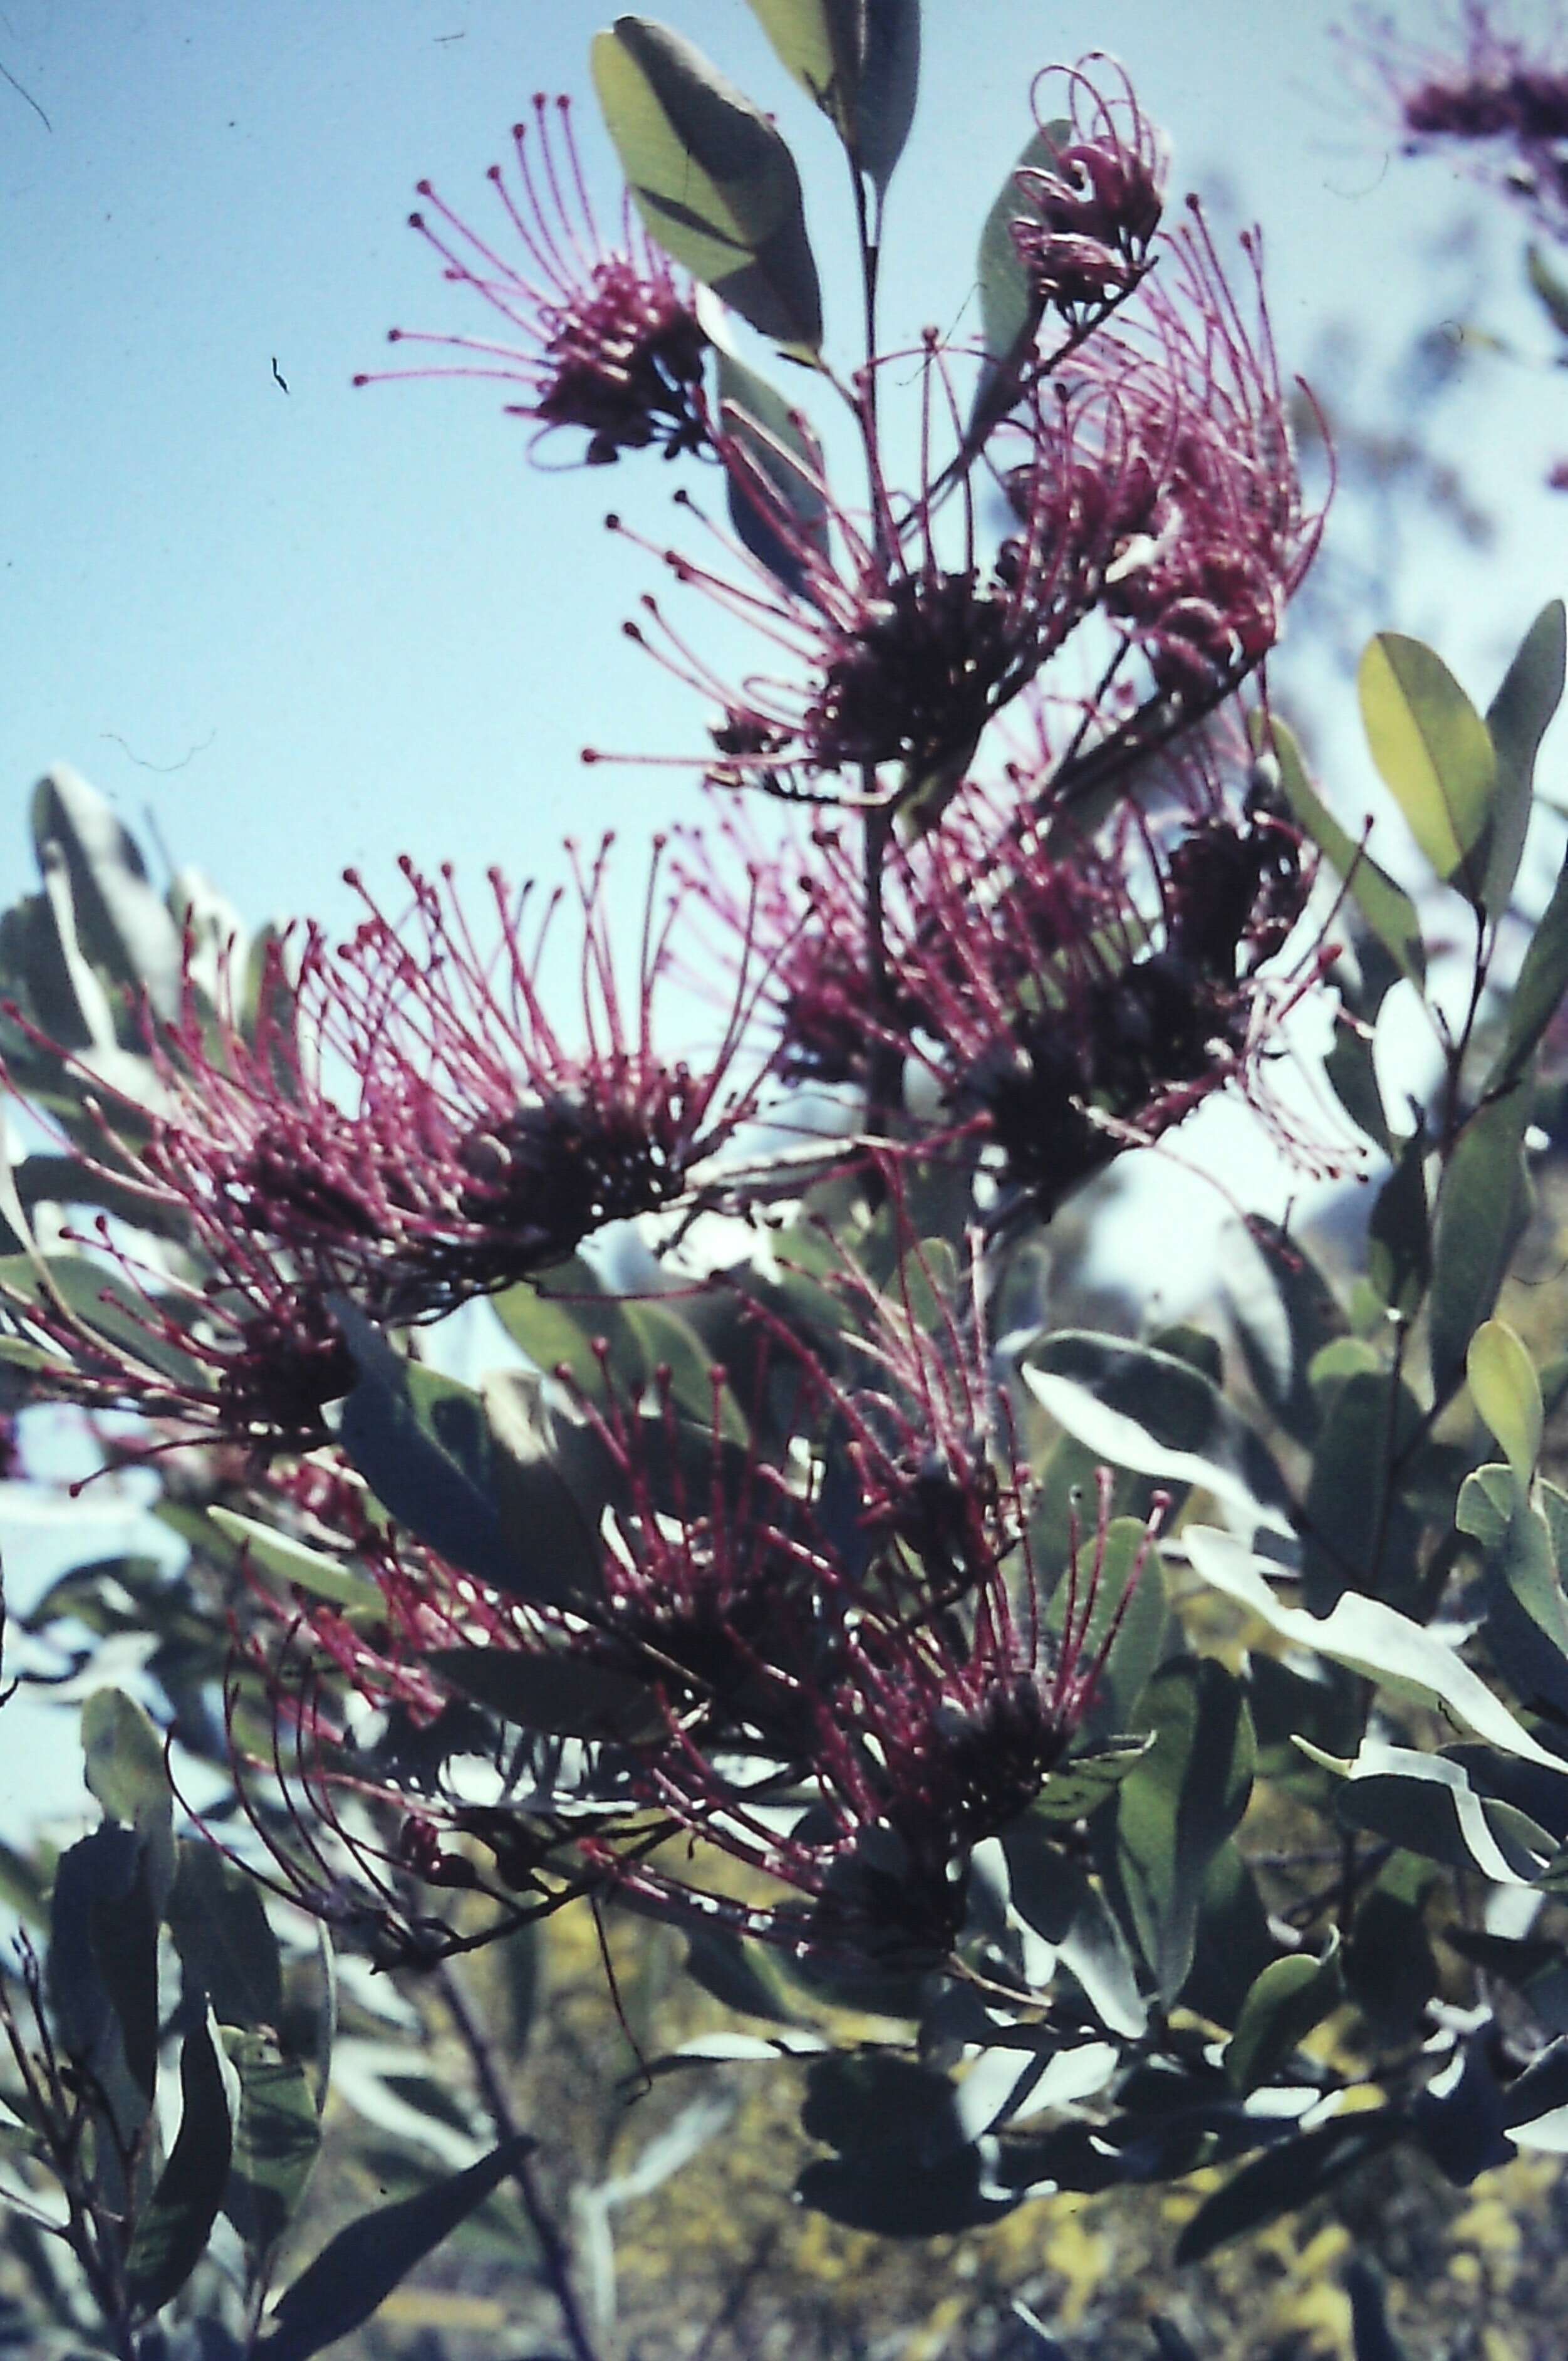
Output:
(1489, 95)
(607, 337)
(398, 1121)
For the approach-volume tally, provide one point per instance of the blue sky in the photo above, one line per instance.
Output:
(306, 628)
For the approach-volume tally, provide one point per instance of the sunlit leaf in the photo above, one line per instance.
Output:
(1285, 2002)
(712, 177)
(1434, 751)
(1507, 1391)
(1374, 1640)
(305, 1568)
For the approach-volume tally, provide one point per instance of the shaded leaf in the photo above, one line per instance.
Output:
(352, 2275)
(225, 1943)
(1482, 1203)
(276, 2136)
(1399, 1252)
(1517, 718)
(860, 60)
(1176, 1807)
(1359, 1535)
(121, 920)
(1009, 308)
(1386, 906)
(1427, 1805)
(1286, 2177)
(554, 1692)
(171, 2236)
(1537, 992)
(1286, 1312)
(1153, 1413)
(786, 507)
(1434, 751)
(1287, 2001)
(713, 180)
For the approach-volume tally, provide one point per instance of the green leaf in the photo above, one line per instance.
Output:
(421, 1443)
(895, 2198)
(1371, 1638)
(1427, 1805)
(1483, 1200)
(228, 1949)
(1550, 289)
(859, 62)
(1518, 718)
(103, 1982)
(1176, 1807)
(1286, 2177)
(1009, 310)
(1153, 1413)
(1507, 1392)
(1287, 2000)
(1285, 1312)
(558, 1329)
(554, 1692)
(1387, 907)
(1351, 1070)
(1527, 1618)
(551, 1479)
(121, 920)
(787, 456)
(303, 1568)
(712, 178)
(1140, 1635)
(171, 2236)
(125, 1768)
(1434, 752)
(1084, 1782)
(1538, 993)
(1360, 1536)
(276, 2136)
(354, 2273)
(1398, 1254)
(744, 1976)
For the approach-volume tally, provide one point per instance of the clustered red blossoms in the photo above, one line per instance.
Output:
(610, 339)
(796, 1620)
(845, 1682)
(1094, 206)
(1498, 99)
(400, 1122)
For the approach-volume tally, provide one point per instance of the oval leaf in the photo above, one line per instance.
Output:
(712, 178)
(1518, 718)
(1434, 751)
(1507, 1391)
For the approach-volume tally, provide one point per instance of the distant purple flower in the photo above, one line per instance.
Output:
(1088, 216)
(607, 337)
(1486, 92)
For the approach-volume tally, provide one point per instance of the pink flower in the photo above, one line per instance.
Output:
(608, 336)
(401, 1121)
(1091, 213)
(896, 640)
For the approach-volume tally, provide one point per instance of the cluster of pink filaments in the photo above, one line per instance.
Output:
(607, 337)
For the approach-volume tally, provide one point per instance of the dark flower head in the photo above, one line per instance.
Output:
(1090, 213)
(898, 635)
(607, 337)
(1486, 92)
